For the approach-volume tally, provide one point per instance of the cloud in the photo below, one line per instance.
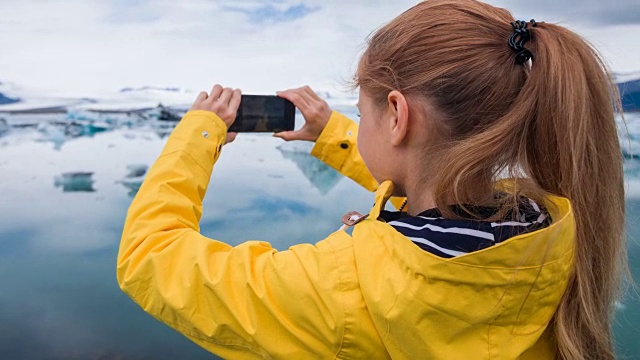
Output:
(83, 48)
(270, 13)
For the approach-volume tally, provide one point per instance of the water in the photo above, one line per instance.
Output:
(64, 198)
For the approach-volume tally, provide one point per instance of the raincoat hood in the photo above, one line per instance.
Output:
(499, 299)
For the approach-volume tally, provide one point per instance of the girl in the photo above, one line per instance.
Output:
(501, 136)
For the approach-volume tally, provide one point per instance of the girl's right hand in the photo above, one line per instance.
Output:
(316, 113)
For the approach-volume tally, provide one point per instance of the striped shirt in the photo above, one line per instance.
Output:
(449, 238)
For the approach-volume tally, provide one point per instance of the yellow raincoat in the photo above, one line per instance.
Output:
(371, 295)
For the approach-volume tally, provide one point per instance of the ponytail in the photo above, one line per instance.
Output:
(573, 151)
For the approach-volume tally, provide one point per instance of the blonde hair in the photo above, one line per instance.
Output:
(550, 125)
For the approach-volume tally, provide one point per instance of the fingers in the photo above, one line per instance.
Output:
(200, 100)
(285, 135)
(225, 96)
(304, 98)
(215, 92)
(230, 137)
(316, 113)
(224, 108)
(297, 96)
(202, 96)
(312, 94)
(224, 102)
(302, 134)
(236, 96)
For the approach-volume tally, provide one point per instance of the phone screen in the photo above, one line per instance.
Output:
(264, 113)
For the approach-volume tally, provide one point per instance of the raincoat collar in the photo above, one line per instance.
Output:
(384, 192)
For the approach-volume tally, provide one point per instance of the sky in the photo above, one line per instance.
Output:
(85, 47)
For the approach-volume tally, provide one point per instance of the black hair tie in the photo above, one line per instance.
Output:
(518, 38)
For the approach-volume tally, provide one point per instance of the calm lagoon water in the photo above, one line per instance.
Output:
(65, 193)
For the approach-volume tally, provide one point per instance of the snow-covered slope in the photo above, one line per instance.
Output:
(146, 97)
(20, 99)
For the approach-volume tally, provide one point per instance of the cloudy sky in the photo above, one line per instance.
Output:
(83, 47)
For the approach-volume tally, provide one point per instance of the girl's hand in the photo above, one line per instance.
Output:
(316, 114)
(224, 102)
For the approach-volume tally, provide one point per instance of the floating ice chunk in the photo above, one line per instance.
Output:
(75, 182)
(79, 115)
(136, 170)
(164, 113)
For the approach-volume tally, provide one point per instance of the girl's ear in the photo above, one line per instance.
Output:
(398, 117)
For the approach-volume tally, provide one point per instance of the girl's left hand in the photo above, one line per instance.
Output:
(224, 102)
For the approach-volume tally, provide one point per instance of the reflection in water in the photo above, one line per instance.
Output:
(4, 127)
(136, 171)
(132, 186)
(133, 180)
(321, 176)
(59, 297)
(75, 182)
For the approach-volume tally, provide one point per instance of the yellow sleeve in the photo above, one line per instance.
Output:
(337, 147)
(248, 301)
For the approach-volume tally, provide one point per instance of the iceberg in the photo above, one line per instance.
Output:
(164, 113)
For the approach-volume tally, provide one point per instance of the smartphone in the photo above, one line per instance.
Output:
(264, 113)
